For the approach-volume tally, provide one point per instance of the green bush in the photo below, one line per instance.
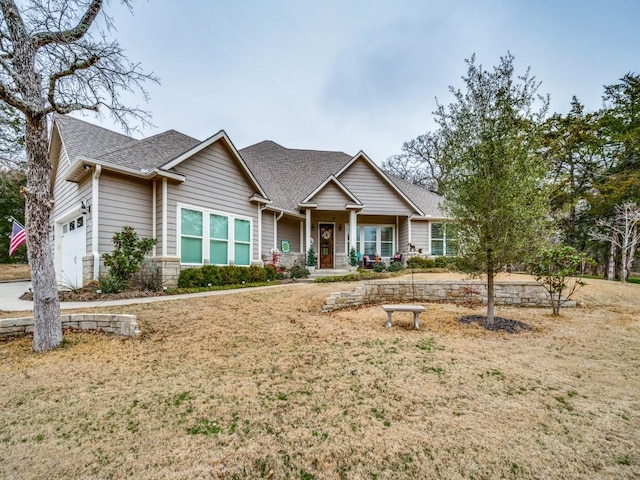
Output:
(212, 275)
(379, 267)
(111, 284)
(128, 253)
(298, 272)
(420, 262)
(395, 267)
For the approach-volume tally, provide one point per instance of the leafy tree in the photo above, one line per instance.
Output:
(555, 268)
(494, 186)
(11, 205)
(574, 150)
(53, 61)
(128, 253)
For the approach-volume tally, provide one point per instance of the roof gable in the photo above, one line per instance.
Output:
(222, 137)
(332, 194)
(382, 177)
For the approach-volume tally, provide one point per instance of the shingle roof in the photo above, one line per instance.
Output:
(289, 175)
(428, 202)
(151, 152)
(86, 139)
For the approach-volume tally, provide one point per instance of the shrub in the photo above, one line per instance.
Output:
(111, 284)
(395, 267)
(128, 253)
(420, 262)
(298, 272)
(149, 277)
(379, 267)
(311, 257)
(214, 276)
(353, 257)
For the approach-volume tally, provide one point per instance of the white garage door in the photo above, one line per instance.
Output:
(74, 247)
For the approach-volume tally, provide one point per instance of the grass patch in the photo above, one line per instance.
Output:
(262, 384)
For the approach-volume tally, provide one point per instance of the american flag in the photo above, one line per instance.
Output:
(18, 237)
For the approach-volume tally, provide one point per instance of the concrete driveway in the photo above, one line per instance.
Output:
(11, 291)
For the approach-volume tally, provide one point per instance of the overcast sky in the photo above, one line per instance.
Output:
(359, 75)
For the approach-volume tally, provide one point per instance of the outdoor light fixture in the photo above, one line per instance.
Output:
(340, 227)
(86, 166)
(84, 208)
(313, 228)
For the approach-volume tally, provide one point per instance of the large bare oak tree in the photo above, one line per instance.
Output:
(55, 57)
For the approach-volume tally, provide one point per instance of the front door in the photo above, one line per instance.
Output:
(326, 245)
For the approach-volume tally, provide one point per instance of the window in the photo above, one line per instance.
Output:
(191, 236)
(219, 243)
(242, 244)
(443, 240)
(373, 239)
(218, 237)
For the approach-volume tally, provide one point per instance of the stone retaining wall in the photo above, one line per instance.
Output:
(126, 325)
(525, 294)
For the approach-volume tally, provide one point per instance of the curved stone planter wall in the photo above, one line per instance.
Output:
(525, 294)
(126, 325)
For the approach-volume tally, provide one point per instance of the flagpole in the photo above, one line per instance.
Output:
(12, 219)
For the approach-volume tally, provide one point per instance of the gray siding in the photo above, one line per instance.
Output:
(289, 229)
(420, 235)
(67, 195)
(373, 191)
(403, 234)
(215, 181)
(123, 201)
(267, 231)
(331, 198)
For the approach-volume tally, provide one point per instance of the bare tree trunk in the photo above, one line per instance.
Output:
(46, 305)
(633, 246)
(611, 271)
(623, 260)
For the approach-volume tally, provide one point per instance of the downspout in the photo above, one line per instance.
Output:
(275, 228)
(154, 208)
(95, 220)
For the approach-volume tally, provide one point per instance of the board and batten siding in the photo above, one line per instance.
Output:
(68, 195)
(214, 181)
(123, 201)
(331, 198)
(373, 191)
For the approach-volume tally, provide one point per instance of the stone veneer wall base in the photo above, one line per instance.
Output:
(469, 292)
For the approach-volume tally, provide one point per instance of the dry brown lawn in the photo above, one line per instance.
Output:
(263, 385)
(14, 271)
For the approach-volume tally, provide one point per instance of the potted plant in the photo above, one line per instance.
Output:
(311, 259)
(353, 259)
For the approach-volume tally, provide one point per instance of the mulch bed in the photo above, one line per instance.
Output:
(499, 323)
(91, 295)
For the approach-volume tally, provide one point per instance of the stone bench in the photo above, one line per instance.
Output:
(415, 309)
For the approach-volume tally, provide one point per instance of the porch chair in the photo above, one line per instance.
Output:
(396, 258)
(367, 261)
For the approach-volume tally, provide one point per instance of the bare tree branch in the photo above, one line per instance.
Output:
(73, 34)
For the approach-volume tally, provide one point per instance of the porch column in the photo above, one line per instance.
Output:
(164, 217)
(307, 225)
(353, 220)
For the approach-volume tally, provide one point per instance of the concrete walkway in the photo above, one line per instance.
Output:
(11, 291)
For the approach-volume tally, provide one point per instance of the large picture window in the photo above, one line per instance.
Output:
(443, 240)
(373, 239)
(218, 237)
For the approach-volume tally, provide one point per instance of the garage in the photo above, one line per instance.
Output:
(73, 247)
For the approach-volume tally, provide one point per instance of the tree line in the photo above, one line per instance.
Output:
(570, 179)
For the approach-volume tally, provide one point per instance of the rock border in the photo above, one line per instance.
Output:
(125, 325)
